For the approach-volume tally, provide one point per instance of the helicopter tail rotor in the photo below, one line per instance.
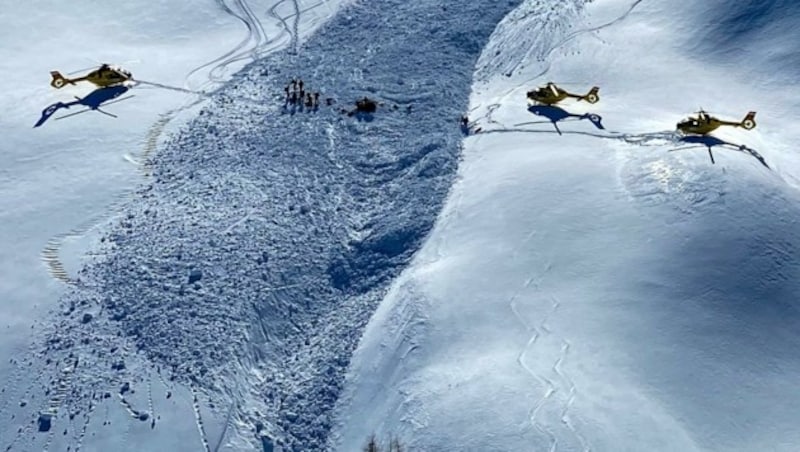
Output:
(592, 96)
(749, 121)
(58, 80)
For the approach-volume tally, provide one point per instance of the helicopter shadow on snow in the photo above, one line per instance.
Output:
(709, 142)
(92, 101)
(555, 115)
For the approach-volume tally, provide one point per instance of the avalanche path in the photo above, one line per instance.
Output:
(248, 265)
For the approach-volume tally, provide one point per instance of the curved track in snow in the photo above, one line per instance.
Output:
(557, 387)
(251, 47)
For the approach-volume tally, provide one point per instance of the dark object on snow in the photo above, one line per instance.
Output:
(365, 105)
(45, 422)
(194, 276)
(465, 125)
(466, 128)
(86, 318)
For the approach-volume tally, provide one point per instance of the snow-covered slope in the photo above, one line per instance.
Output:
(584, 288)
(241, 275)
(593, 290)
(64, 177)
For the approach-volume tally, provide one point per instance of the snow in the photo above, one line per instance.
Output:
(593, 290)
(61, 181)
(294, 219)
(223, 271)
(246, 266)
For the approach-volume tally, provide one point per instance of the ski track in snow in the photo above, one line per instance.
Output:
(254, 40)
(559, 389)
(532, 26)
(547, 27)
(226, 425)
(571, 36)
(198, 416)
(552, 387)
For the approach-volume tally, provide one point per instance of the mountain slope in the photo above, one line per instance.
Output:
(246, 268)
(592, 288)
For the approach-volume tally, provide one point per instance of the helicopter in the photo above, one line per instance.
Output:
(551, 94)
(105, 75)
(704, 123)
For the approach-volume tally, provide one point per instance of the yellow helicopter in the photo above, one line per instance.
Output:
(105, 75)
(704, 123)
(551, 94)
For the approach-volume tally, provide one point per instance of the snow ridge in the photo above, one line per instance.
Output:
(247, 268)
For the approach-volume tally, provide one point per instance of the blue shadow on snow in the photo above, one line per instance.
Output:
(557, 114)
(92, 101)
(710, 142)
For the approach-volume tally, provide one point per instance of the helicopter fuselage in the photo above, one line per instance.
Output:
(704, 123)
(700, 127)
(548, 95)
(102, 77)
(107, 76)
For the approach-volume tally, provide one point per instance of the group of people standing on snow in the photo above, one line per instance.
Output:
(295, 94)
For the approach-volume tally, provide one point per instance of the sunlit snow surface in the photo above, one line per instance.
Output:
(594, 290)
(60, 183)
(591, 283)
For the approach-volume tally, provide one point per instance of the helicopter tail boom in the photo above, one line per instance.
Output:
(58, 80)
